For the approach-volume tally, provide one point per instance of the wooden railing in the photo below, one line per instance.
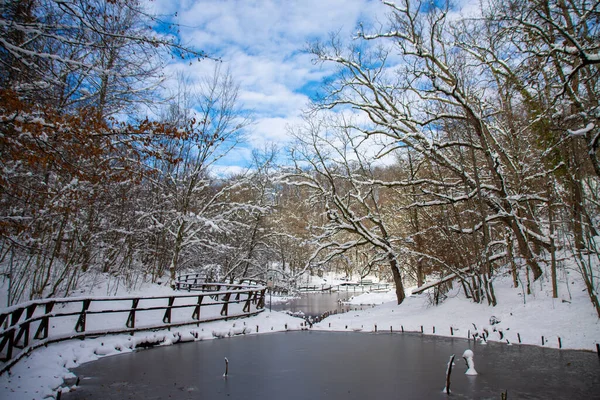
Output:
(347, 287)
(28, 326)
(189, 280)
(365, 287)
(195, 282)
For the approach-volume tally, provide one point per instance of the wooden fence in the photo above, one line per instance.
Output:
(28, 326)
(346, 287)
(194, 282)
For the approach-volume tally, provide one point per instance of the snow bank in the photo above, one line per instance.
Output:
(332, 279)
(367, 298)
(516, 318)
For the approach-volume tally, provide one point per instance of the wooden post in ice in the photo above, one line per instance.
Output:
(448, 372)
(226, 367)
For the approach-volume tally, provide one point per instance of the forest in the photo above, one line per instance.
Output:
(443, 144)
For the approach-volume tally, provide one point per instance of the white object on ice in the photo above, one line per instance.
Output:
(468, 356)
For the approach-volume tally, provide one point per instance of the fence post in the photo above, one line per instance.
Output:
(8, 340)
(196, 314)
(261, 299)
(167, 317)
(24, 331)
(131, 318)
(226, 303)
(248, 301)
(9, 337)
(80, 326)
(15, 316)
(42, 331)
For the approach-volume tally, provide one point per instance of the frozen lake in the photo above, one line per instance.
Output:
(325, 365)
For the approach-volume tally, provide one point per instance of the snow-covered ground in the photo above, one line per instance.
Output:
(367, 298)
(528, 317)
(570, 317)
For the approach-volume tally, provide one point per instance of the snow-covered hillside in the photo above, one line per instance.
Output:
(570, 317)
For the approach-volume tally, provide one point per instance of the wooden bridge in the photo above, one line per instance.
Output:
(347, 287)
(194, 282)
(28, 326)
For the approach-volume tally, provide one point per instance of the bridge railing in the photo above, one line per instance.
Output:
(27, 326)
(346, 287)
(365, 287)
(192, 279)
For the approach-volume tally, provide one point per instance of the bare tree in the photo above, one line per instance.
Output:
(74, 53)
(464, 95)
(67, 167)
(195, 202)
(334, 165)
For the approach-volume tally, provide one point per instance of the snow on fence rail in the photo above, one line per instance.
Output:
(347, 287)
(199, 282)
(194, 282)
(58, 319)
(361, 287)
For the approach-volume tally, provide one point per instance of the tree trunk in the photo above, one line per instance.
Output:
(525, 250)
(176, 250)
(589, 285)
(417, 227)
(400, 295)
(552, 246)
(576, 206)
(511, 257)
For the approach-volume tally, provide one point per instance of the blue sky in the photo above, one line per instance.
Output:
(262, 43)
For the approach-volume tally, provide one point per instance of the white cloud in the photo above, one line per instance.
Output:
(269, 26)
(226, 171)
(262, 42)
(272, 131)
